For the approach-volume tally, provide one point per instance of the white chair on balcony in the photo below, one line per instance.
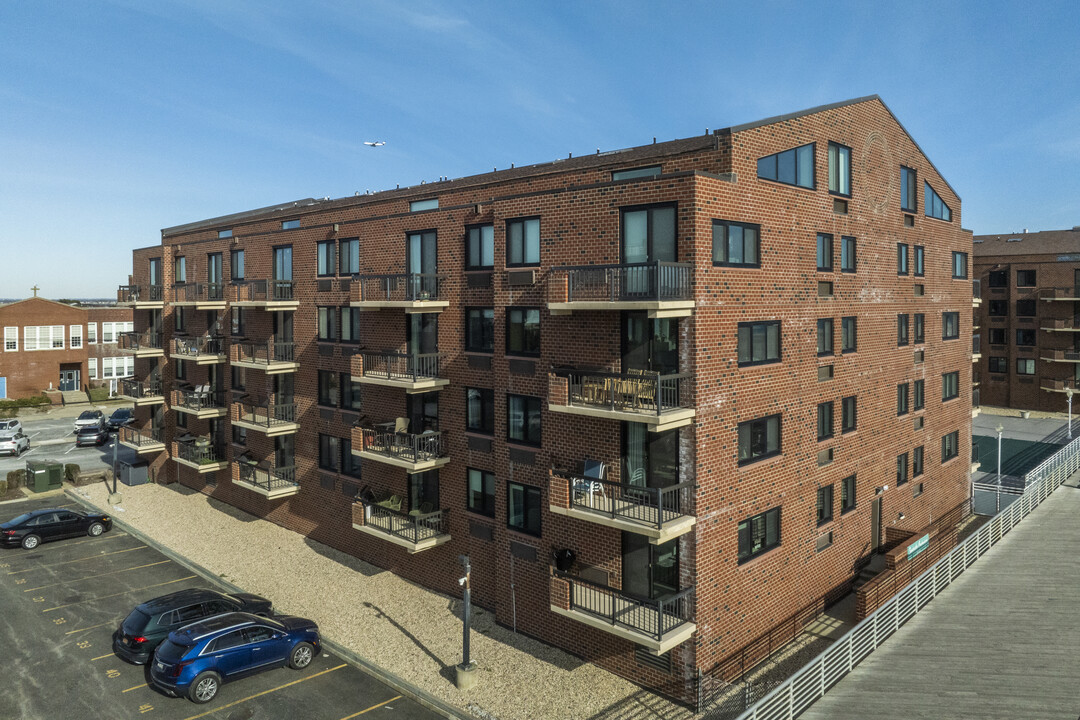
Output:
(590, 483)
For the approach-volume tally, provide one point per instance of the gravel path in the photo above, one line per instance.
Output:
(408, 630)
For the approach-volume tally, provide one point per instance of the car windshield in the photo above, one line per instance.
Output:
(88, 415)
(135, 622)
(171, 652)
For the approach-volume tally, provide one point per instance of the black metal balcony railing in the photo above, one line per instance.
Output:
(410, 447)
(637, 392)
(265, 353)
(1060, 293)
(127, 294)
(140, 388)
(976, 344)
(976, 289)
(268, 478)
(140, 438)
(266, 414)
(197, 399)
(400, 366)
(651, 617)
(202, 346)
(1061, 355)
(265, 291)
(199, 292)
(201, 451)
(402, 287)
(644, 505)
(413, 527)
(136, 341)
(658, 281)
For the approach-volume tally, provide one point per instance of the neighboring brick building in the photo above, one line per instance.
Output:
(738, 343)
(51, 345)
(1028, 320)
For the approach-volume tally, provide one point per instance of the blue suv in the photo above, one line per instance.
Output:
(197, 658)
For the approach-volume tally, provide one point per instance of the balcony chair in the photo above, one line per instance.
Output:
(591, 481)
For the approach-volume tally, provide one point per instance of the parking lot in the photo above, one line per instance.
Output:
(62, 602)
(52, 438)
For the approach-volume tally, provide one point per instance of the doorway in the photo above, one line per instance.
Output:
(69, 378)
(649, 571)
(875, 525)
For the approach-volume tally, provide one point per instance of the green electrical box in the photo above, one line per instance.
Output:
(42, 475)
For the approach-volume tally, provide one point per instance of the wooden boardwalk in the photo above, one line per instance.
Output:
(1002, 642)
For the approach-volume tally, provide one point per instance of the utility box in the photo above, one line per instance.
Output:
(133, 473)
(43, 475)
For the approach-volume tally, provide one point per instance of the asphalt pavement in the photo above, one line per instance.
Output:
(52, 437)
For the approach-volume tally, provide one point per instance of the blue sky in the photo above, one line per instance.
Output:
(120, 118)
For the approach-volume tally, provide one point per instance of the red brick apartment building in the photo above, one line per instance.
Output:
(1028, 324)
(716, 370)
(51, 345)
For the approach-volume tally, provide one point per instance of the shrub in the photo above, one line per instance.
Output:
(71, 471)
(26, 402)
(16, 478)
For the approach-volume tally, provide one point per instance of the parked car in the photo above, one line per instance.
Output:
(89, 417)
(150, 622)
(197, 658)
(33, 528)
(120, 418)
(92, 435)
(10, 427)
(13, 443)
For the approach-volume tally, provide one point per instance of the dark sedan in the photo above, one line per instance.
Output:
(92, 435)
(120, 418)
(33, 528)
(151, 622)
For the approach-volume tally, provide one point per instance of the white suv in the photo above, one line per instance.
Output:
(10, 427)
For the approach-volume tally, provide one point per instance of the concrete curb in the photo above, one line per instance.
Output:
(422, 697)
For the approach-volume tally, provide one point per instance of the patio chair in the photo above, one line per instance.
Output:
(591, 481)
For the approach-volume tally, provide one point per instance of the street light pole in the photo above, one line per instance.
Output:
(466, 671)
(999, 429)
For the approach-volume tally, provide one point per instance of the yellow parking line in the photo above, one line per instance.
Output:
(102, 656)
(72, 632)
(135, 688)
(103, 597)
(266, 692)
(373, 707)
(99, 575)
(69, 562)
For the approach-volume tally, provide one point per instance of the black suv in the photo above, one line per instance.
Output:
(150, 623)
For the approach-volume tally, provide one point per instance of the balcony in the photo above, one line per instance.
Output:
(1063, 356)
(976, 293)
(142, 442)
(662, 402)
(200, 402)
(415, 373)
(1059, 385)
(1067, 294)
(202, 350)
(270, 419)
(201, 296)
(270, 482)
(656, 513)
(976, 348)
(415, 531)
(412, 451)
(140, 344)
(273, 358)
(201, 454)
(141, 297)
(413, 292)
(266, 294)
(142, 393)
(1060, 325)
(661, 288)
(658, 625)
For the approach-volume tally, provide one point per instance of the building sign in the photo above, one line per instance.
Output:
(918, 546)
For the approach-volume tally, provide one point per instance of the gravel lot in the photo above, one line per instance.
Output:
(410, 631)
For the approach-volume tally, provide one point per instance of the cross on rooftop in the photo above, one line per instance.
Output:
(35, 289)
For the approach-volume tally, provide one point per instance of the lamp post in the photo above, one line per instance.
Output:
(1068, 396)
(466, 671)
(999, 429)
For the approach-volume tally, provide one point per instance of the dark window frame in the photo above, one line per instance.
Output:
(902, 469)
(486, 506)
(825, 503)
(957, 255)
(919, 260)
(725, 243)
(824, 252)
(528, 411)
(911, 176)
(528, 491)
(236, 262)
(747, 553)
(918, 394)
(854, 322)
(749, 424)
(849, 259)
(849, 411)
(825, 420)
(524, 309)
(829, 168)
(948, 439)
(525, 262)
(848, 499)
(826, 325)
(479, 239)
(486, 426)
(750, 327)
(918, 328)
(998, 365)
(903, 329)
(776, 164)
(472, 345)
(950, 318)
(950, 380)
(1029, 362)
(1025, 283)
(918, 461)
(930, 199)
(903, 399)
(903, 259)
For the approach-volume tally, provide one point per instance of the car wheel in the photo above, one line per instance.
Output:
(301, 656)
(204, 687)
(95, 529)
(30, 542)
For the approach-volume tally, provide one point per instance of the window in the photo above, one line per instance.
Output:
(950, 385)
(901, 469)
(759, 534)
(290, 224)
(934, 206)
(236, 265)
(328, 388)
(327, 330)
(950, 445)
(902, 329)
(237, 321)
(523, 242)
(1025, 278)
(736, 244)
(91, 333)
(523, 508)
(643, 172)
(824, 421)
(429, 204)
(759, 439)
(847, 254)
(997, 336)
(920, 261)
(917, 462)
(481, 492)
(901, 259)
(1025, 337)
(847, 494)
(1025, 308)
(351, 392)
(791, 167)
(998, 308)
(849, 336)
(824, 504)
(350, 464)
(329, 452)
(997, 279)
(824, 337)
(350, 324)
(480, 330)
(839, 169)
(222, 234)
(239, 377)
(950, 325)
(523, 419)
(848, 414)
(181, 371)
(91, 366)
(44, 337)
(920, 328)
(920, 394)
(824, 252)
(180, 270)
(759, 342)
(959, 266)
(908, 190)
(349, 256)
(480, 410)
(239, 434)
(327, 258)
(902, 399)
(1025, 366)
(523, 331)
(998, 364)
(480, 247)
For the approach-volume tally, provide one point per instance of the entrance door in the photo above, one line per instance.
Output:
(875, 525)
(648, 236)
(213, 277)
(69, 379)
(422, 333)
(282, 285)
(650, 344)
(649, 571)
(424, 491)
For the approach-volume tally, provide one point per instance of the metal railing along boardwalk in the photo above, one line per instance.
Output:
(654, 281)
(649, 617)
(811, 682)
